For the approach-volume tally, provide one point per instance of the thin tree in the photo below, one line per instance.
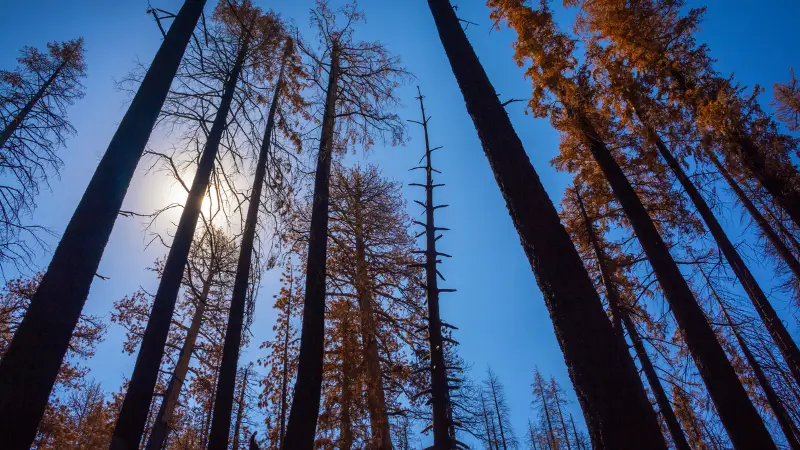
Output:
(616, 409)
(786, 100)
(550, 54)
(31, 365)
(362, 78)
(496, 393)
(542, 396)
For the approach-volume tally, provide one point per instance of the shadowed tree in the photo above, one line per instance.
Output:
(33, 115)
(31, 365)
(615, 407)
(362, 77)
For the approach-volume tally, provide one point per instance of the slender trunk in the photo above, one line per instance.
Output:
(486, 422)
(775, 403)
(551, 437)
(773, 323)
(563, 424)
(440, 396)
(499, 415)
(285, 374)
(346, 397)
(240, 412)
(223, 405)
(532, 435)
(131, 421)
(617, 411)
(12, 127)
(575, 432)
(30, 366)
(161, 425)
(620, 314)
(376, 398)
(253, 443)
(772, 236)
(307, 389)
(740, 418)
(494, 434)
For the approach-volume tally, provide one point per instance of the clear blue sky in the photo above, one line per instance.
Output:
(498, 308)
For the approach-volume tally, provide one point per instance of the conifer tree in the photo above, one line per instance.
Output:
(597, 364)
(31, 365)
(360, 93)
(495, 394)
(786, 100)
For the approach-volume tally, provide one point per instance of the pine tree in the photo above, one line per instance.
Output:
(31, 365)
(786, 100)
(495, 394)
(597, 364)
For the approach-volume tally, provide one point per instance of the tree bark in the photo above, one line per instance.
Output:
(12, 127)
(161, 425)
(226, 384)
(376, 398)
(239, 413)
(773, 323)
(775, 403)
(738, 415)
(617, 412)
(308, 387)
(30, 366)
(772, 236)
(131, 422)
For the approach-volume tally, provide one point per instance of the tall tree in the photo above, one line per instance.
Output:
(598, 364)
(495, 392)
(362, 77)
(31, 365)
(554, 72)
(33, 114)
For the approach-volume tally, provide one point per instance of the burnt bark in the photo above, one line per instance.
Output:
(302, 424)
(226, 384)
(30, 367)
(616, 409)
(133, 415)
(737, 413)
(161, 425)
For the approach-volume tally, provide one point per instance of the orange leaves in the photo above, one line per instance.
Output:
(786, 100)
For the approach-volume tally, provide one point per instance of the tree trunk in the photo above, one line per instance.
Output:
(575, 432)
(617, 412)
(775, 403)
(223, 405)
(773, 323)
(486, 423)
(285, 375)
(551, 437)
(440, 395)
(783, 251)
(563, 424)
(162, 422)
(499, 415)
(376, 398)
(346, 397)
(239, 413)
(744, 425)
(12, 127)
(30, 366)
(130, 424)
(532, 435)
(308, 387)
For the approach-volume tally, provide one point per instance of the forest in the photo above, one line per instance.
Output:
(245, 224)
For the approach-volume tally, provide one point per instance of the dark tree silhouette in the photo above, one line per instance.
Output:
(31, 365)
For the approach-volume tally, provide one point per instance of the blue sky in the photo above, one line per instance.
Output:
(498, 308)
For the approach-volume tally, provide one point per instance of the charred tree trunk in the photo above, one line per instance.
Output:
(551, 437)
(223, 405)
(499, 415)
(285, 374)
(575, 433)
(308, 387)
(12, 127)
(616, 409)
(376, 398)
(563, 425)
(486, 423)
(158, 435)
(783, 251)
(775, 403)
(738, 415)
(239, 412)
(440, 395)
(131, 422)
(774, 325)
(30, 366)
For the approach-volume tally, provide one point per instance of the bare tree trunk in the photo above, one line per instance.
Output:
(575, 432)
(775, 403)
(783, 251)
(30, 366)
(346, 397)
(285, 375)
(12, 127)
(616, 409)
(551, 437)
(532, 435)
(621, 314)
(376, 398)
(308, 387)
(563, 424)
(486, 422)
(499, 414)
(161, 426)
(240, 411)
(738, 415)
(774, 325)
(130, 424)
(223, 405)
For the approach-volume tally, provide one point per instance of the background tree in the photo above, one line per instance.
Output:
(786, 100)
(496, 398)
